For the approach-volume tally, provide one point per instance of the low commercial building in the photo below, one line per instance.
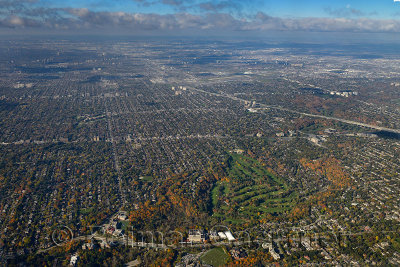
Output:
(197, 236)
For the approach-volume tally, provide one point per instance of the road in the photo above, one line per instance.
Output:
(115, 155)
(263, 107)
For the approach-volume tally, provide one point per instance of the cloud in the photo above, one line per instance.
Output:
(18, 22)
(347, 12)
(344, 12)
(177, 4)
(216, 17)
(79, 12)
(265, 22)
(173, 2)
(216, 6)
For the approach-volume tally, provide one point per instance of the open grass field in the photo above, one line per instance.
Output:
(215, 257)
(250, 191)
(146, 178)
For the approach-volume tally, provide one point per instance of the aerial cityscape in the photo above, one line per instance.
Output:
(193, 149)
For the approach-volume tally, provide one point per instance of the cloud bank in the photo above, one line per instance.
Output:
(25, 15)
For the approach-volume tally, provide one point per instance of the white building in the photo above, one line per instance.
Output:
(74, 260)
(229, 235)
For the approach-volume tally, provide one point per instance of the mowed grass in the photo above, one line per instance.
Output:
(251, 191)
(215, 257)
(146, 178)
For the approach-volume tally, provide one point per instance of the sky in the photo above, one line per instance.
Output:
(198, 16)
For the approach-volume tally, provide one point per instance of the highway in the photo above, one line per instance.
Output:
(264, 107)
